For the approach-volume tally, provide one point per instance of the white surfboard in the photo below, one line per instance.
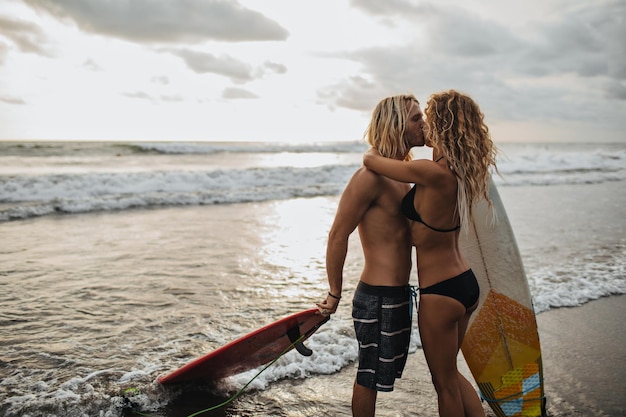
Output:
(501, 345)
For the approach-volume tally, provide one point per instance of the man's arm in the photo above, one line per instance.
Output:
(360, 193)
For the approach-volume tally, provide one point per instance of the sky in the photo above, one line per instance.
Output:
(306, 70)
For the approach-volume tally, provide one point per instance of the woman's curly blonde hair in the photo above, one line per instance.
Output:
(456, 129)
(385, 132)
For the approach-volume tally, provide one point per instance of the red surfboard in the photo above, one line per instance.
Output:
(250, 351)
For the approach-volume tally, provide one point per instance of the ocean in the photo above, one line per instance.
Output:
(120, 262)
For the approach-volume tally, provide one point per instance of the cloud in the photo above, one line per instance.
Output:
(163, 80)
(202, 62)
(616, 91)
(275, 67)
(142, 95)
(4, 50)
(12, 100)
(139, 95)
(26, 36)
(91, 65)
(238, 93)
(457, 50)
(587, 41)
(541, 73)
(172, 98)
(356, 93)
(166, 21)
(390, 7)
(225, 65)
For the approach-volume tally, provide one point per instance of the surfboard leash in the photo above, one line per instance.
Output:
(231, 399)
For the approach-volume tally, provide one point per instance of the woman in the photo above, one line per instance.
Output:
(439, 206)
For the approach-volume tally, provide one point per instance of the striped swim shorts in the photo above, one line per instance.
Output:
(382, 322)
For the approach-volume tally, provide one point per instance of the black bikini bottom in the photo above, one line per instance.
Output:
(463, 288)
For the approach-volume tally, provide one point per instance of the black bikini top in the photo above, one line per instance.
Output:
(408, 209)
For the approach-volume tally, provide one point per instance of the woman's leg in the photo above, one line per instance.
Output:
(443, 322)
(439, 319)
(471, 403)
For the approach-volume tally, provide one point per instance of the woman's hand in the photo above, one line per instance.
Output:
(370, 154)
(403, 171)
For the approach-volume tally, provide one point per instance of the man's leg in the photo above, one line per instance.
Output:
(363, 401)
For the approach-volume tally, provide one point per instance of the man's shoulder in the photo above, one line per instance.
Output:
(365, 183)
(368, 184)
(366, 175)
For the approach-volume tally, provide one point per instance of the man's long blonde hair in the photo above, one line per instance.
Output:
(455, 128)
(385, 132)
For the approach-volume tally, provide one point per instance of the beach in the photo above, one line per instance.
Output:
(121, 263)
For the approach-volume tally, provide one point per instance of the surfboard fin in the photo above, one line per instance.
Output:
(294, 334)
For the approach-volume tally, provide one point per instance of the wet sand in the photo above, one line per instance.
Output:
(584, 356)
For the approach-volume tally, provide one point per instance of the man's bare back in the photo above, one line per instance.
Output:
(385, 234)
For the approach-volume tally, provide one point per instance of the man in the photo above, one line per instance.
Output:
(382, 300)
